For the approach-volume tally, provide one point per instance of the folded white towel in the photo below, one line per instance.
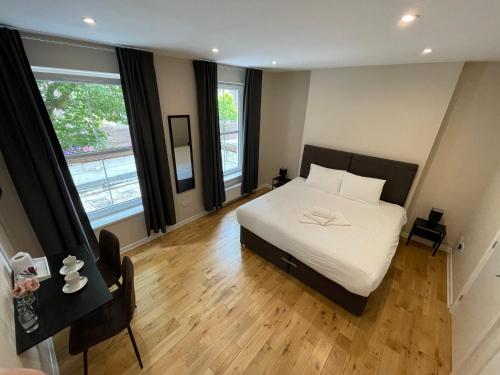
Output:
(322, 212)
(304, 216)
(318, 219)
(339, 219)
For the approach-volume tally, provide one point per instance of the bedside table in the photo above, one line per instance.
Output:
(277, 182)
(431, 231)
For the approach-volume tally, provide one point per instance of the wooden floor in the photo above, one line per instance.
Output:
(207, 306)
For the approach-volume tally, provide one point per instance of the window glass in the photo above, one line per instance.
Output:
(230, 106)
(91, 124)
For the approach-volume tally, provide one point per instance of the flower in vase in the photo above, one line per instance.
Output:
(24, 287)
(19, 290)
(32, 285)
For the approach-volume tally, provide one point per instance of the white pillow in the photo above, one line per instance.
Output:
(326, 179)
(362, 189)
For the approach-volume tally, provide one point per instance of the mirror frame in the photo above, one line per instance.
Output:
(177, 184)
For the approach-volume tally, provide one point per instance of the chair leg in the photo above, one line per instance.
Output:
(85, 365)
(137, 354)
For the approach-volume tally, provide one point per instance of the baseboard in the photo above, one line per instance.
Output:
(145, 240)
(264, 186)
(142, 241)
(171, 228)
(444, 246)
(449, 280)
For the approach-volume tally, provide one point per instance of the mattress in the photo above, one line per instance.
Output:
(356, 256)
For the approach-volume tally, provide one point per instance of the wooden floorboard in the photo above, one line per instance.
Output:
(205, 305)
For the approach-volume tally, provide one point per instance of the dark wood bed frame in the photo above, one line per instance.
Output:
(399, 178)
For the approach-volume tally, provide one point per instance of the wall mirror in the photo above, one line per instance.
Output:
(182, 151)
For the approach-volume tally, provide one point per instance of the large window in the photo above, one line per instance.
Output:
(230, 104)
(91, 124)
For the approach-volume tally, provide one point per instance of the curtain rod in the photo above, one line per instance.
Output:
(233, 67)
(44, 40)
(232, 83)
(28, 35)
(106, 48)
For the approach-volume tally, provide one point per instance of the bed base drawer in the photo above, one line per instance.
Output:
(266, 250)
(353, 303)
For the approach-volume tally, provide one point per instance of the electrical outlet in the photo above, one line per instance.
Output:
(461, 244)
(185, 203)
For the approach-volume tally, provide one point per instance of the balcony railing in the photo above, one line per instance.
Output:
(105, 178)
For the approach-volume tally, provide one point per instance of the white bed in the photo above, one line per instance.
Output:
(356, 256)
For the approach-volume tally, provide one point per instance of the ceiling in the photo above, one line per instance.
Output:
(297, 34)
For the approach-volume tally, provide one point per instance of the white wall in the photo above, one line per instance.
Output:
(484, 360)
(283, 111)
(41, 356)
(14, 220)
(466, 150)
(478, 233)
(230, 74)
(177, 91)
(64, 55)
(387, 111)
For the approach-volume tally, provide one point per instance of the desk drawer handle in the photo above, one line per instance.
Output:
(290, 263)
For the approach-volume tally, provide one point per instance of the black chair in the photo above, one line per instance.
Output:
(107, 321)
(109, 259)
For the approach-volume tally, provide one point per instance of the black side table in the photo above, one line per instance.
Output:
(431, 231)
(278, 181)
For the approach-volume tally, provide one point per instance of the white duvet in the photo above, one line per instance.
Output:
(356, 256)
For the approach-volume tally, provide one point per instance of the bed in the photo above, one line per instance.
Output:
(345, 263)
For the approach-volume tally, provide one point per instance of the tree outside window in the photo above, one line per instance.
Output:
(80, 111)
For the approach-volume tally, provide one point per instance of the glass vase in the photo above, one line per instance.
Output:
(26, 315)
(30, 298)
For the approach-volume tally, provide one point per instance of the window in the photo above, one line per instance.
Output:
(90, 121)
(230, 105)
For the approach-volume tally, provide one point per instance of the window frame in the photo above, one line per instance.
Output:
(101, 213)
(118, 211)
(233, 173)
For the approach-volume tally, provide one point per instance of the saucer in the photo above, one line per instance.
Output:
(77, 267)
(68, 290)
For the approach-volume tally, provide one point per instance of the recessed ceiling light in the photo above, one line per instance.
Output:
(215, 50)
(426, 51)
(274, 62)
(89, 20)
(407, 18)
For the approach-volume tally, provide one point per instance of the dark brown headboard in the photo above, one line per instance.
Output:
(398, 175)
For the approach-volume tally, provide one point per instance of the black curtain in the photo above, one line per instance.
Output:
(251, 130)
(140, 92)
(34, 156)
(208, 117)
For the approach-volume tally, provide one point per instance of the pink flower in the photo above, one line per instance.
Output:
(19, 290)
(24, 286)
(32, 285)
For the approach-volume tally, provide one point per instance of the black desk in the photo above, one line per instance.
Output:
(431, 231)
(57, 310)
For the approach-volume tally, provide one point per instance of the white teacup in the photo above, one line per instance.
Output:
(70, 261)
(72, 278)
